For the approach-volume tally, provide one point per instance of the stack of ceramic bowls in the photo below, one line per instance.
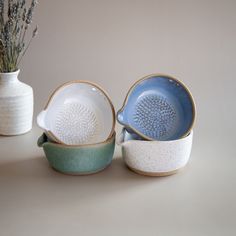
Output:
(158, 116)
(78, 123)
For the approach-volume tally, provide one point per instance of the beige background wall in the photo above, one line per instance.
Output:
(114, 43)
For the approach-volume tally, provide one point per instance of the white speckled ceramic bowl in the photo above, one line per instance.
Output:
(156, 158)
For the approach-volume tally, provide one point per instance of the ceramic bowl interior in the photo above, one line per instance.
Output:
(158, 107)
(78, 113)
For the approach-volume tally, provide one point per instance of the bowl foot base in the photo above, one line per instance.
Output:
(155, 174)
(81, 174)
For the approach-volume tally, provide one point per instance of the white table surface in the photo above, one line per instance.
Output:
(36, 200)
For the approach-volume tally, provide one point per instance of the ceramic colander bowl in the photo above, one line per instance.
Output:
(78, 113)
(155, 158)
(78, 160)
(158, 107)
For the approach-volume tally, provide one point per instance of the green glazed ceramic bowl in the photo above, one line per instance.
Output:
(78, 160)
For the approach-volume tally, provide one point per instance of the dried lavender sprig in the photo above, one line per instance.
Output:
(13, 31)
(2, 6)
(1, 13)
(10, 3)
(17, 9)
(35, 32)
(22, 4)
(30, 12)
(28, 17)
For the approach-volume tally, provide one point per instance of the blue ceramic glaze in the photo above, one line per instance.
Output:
(130, 136)
(158, 107)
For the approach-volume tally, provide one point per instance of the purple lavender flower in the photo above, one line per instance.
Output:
(15, 20)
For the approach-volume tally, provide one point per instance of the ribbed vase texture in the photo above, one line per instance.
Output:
(16, 105)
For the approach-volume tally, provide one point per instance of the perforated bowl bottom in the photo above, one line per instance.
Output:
(155, 117)
(75, 124)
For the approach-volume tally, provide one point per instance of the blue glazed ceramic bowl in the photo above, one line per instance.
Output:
(78, 160)
(158, 107)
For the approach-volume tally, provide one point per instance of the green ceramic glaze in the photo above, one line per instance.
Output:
(78, 160)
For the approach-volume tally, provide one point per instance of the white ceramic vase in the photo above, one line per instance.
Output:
(16, 105)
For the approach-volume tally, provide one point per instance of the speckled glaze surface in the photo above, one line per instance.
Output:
(158, 107)
(156, 158)
(81, 160)
(16, 105)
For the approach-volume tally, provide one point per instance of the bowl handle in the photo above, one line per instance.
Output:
(120, 117)
(41, 119)
(41, 140)
(120, 139)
